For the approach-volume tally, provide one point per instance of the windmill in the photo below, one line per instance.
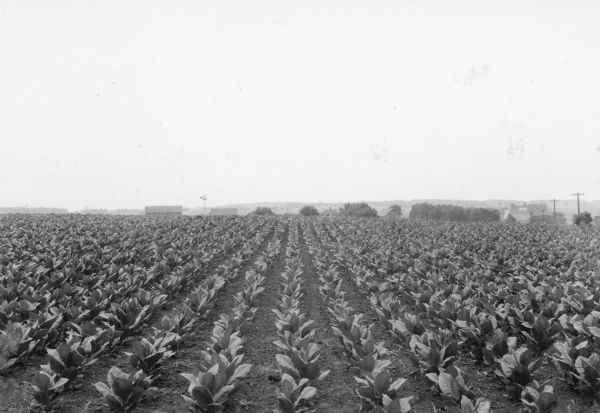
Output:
(203, 197)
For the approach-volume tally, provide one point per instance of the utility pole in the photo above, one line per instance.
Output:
(577, 194)
(554, 210)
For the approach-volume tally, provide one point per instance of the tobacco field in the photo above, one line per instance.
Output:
(294, 314)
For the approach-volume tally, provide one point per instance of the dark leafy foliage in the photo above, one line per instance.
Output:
(360, 210)
(453, 213)
(309, 211)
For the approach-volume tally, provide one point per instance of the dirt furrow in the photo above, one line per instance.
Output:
(257, 393)
(403, 364)
(188, 359)
(336, 392)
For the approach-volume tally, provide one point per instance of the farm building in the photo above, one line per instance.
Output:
(223, 211)
(522, 215)
(164, 210)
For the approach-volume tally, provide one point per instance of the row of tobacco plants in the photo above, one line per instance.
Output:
(78, 288)
(367, 360)
(298, 353)
(512, 300)
(211, 388)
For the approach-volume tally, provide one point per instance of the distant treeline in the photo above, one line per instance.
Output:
(453, 213)
(30, 210)
(85, 211)
(102, 211)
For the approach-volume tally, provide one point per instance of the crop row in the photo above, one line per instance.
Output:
(367, 361)
(103, 330)
(218, 379)
(299, 354)
(510, 318)
(41, 300)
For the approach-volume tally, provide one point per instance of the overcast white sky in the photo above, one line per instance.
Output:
(127, 103)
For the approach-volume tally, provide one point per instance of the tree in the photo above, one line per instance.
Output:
(427, 211)
(395, 212)
(308, 211)
(396, 209)
(585, 218)
(262, 211)
(358, 209)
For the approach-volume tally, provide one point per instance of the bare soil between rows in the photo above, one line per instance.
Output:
(257, 393)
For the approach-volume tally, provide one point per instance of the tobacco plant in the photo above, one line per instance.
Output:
(541, 400)
(209, 390)
(377, 390)
(434, 352)
(451, 384)
(405, 327)
(543, 334)
(568, 351)
(67, 361)
(294, 396)
(588, 375)
(94, 340)
(293, 322)
(481, 405)
(46, 388)
(123, 391)
(302, 363)
(356, 338)
(199, 300)
(224, 339)
(517, 368)
(16, 343)
(127, 318)
(478, 332)
(148, 357)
